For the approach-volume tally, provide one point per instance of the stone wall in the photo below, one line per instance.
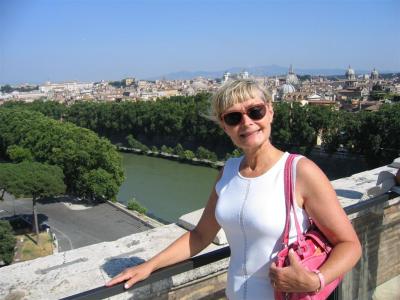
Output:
(379, 232)
(79, 270)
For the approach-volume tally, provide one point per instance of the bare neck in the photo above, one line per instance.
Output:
(259, 161)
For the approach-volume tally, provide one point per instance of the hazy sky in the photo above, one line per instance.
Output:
(90, 40)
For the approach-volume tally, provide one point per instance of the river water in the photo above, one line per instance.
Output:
(168, 189)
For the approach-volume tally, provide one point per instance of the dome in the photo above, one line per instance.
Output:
(374, 74)
(350, 76)
(287, 88)
(291, 77)
(198, 85)
(350, 71)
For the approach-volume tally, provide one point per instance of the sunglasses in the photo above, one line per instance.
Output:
(256, 112)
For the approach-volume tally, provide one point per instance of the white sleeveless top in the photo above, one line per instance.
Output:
(252, 213)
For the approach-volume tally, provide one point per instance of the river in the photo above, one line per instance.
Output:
(168, 189)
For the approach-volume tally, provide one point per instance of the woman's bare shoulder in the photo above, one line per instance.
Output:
(308, 170)
(312, 181)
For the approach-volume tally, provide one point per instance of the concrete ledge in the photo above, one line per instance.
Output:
(146, 220)
(364, 186)
(190, 220)
(75, 271)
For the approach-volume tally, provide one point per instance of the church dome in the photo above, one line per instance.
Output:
(350, 77)
(374, 74)
(350, 72)
(287, 88)
(291, 77)
(198, 85)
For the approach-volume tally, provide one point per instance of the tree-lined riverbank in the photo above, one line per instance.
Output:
(180, 120)
(167, 189)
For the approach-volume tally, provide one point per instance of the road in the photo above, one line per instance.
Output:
(75, 225)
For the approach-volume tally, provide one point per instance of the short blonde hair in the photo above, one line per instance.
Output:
(234, 92)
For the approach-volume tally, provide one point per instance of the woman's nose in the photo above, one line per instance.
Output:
(246, 119)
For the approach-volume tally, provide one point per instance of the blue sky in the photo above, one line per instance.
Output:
(91, 40)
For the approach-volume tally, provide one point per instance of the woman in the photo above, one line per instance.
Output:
(248, 202)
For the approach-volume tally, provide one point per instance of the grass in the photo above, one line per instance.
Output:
(27, 248)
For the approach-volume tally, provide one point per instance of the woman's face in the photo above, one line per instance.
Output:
(251, 132)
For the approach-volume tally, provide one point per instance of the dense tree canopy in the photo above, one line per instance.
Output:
(180, 120)
(77, 151)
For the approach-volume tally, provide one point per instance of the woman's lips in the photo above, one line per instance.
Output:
(247, 134)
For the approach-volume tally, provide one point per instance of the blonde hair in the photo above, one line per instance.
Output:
(234, 92)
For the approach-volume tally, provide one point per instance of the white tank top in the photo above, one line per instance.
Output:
(252, 213)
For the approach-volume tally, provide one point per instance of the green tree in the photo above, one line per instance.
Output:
(75, 150)
(204, 153)
(99, 185)
(134, 143)
(7, 242)
(164, 149)
(154, 149)
(178, 150)
(236, 153)
(188, 155)
(281, 134)
(18, 154)
(32, 179)
(6, 88)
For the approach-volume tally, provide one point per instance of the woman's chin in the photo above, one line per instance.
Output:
(252, 141)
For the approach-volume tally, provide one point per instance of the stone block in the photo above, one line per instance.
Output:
(190, 220)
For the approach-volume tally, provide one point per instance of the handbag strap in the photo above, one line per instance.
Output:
(289, 192)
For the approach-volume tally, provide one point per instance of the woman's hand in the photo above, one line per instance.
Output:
(294, 278)
(132, 275)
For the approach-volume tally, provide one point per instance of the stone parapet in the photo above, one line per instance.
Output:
(190, 220)
(71, 272)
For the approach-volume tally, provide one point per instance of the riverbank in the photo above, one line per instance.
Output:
(144, 219)
(335, 165)
(174, 157)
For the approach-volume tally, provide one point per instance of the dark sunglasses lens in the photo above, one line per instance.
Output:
(257, 112)
(233, 118)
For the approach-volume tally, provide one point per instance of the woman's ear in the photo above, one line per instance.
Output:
(270, 108)
(221, 124)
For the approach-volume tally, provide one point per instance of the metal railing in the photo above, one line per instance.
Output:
(167, 272)
(205, 259)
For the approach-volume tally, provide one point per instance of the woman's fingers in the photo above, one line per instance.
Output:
(135, 278)
(293, 278)
(294, 262)
(125, 275)
(131, 275)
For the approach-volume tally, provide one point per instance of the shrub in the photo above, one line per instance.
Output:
(134, 205)
(7, 242)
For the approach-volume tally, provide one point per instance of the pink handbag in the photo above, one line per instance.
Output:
(311, 248)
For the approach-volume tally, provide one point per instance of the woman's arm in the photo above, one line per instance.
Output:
(315, 193)
(187, 245)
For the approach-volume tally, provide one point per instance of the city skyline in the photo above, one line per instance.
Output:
(94, 40)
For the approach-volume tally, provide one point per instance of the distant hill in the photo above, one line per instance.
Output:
(270, 70)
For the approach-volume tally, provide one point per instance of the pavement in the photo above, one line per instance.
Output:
(75, 223)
